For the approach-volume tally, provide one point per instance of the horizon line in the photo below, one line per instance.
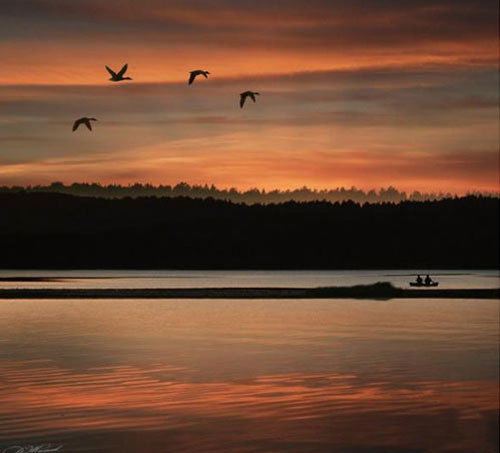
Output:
(262, 191)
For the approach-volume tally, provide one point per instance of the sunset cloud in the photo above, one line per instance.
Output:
(412, 88)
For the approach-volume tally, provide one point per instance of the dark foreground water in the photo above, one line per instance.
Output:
(250, 376)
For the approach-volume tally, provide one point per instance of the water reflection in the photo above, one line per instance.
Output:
(256, 376)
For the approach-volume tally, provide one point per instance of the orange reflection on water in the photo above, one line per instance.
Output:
(39, 397)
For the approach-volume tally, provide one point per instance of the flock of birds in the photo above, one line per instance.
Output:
(119, 77)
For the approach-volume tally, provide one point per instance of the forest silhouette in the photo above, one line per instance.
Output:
(389, 194)
(50, 230)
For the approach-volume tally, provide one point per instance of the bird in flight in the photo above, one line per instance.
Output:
(118, 77)
(85, 121)
(245, 95)
(194, 74)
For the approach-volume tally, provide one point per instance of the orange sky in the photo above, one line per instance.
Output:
(358, 94)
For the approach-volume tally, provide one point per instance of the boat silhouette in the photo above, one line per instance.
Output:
(425, 285)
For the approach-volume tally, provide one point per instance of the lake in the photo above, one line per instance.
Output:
(353, 376)
(210, 279)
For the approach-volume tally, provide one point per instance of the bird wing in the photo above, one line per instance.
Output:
(76, 124)
(192, 77)
(123, 70)
(242, 99)
(113, 73)
(87, 123)
(205, 74)
(252, 96)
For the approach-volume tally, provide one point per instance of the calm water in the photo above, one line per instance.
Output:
(206, 279)
(250, 375)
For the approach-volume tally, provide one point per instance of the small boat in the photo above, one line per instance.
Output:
(424, 285)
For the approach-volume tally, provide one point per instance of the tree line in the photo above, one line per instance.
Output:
(251, 196)
(49, 230)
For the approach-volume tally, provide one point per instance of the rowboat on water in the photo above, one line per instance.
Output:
(424, 285)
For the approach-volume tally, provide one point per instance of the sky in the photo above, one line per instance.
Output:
(353, 93)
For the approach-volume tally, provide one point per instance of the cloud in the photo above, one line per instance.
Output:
(165, 40)
(381, 15)
(336, 76)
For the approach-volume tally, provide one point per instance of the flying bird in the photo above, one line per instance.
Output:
(245, 95)
(194, 74)
(85, 121)
(118, 77)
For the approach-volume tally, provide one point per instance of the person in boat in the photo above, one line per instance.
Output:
(419, 280)
(428, 280)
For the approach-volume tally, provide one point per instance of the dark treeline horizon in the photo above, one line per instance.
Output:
(59, 231)
(250, 196)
